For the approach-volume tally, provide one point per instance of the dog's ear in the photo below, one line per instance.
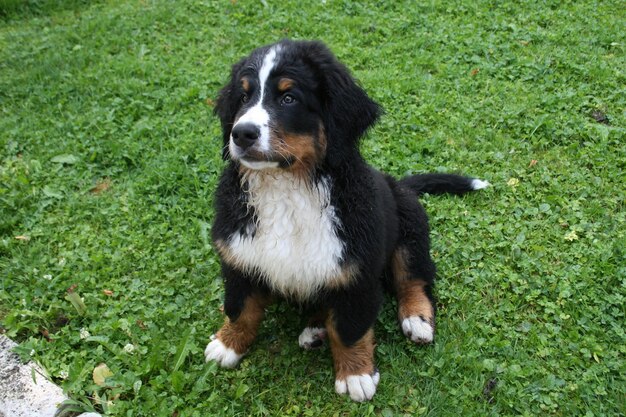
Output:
(348, 110)
(227, 104)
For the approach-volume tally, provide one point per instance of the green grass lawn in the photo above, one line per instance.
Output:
(109, 155)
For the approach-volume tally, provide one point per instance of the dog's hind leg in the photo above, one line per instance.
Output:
(414, 272)
(416, 311)
(314, 334)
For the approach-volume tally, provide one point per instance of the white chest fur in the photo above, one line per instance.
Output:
(294, 246)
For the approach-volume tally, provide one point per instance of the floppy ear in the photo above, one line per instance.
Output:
(348, 111)
(227, 104)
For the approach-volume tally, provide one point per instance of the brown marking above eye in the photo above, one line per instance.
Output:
(245, 84)
(284, 84)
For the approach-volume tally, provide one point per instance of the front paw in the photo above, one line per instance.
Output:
(218, 352)
(359, 387)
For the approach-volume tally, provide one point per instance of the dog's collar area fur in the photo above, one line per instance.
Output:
(291, 242)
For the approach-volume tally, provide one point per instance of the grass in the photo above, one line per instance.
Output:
(110, 154)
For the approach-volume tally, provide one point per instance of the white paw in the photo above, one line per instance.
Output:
(358, 387)
(312, 337)
(218, 352)
(479, 184)
(418, 330)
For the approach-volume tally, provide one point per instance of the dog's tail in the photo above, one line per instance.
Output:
(442, 183)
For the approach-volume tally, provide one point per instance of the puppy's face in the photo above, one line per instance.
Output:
(290, 105)
(278, 121)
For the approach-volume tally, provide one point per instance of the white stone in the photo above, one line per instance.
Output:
(20, 395)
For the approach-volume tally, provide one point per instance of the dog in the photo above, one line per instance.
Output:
(299, 214)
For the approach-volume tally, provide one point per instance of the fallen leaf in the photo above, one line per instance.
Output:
(22, 237)
(101, 373)
(108, 292)
(101, 186)
(67, 159)
(45, 333)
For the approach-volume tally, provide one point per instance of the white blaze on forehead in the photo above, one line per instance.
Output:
(257, 115)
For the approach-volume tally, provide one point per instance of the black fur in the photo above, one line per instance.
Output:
(377, 213)
(438, 183)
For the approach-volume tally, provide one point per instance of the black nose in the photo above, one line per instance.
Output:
(245, 134)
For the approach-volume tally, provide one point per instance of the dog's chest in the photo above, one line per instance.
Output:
(293, 244)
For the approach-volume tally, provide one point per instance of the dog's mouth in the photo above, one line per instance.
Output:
(254, 159)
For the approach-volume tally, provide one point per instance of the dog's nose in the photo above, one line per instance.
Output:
(245, 134)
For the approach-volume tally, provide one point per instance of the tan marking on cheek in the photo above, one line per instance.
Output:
(357, 359)
(411, 293)
(300, 146)
(238, 335)
(306, 150)
(285, 84)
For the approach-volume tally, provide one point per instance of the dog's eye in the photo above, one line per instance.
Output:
(244, 98)
(287, 99)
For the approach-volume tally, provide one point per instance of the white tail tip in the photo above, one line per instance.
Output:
(479, 184)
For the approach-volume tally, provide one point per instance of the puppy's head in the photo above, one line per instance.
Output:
(293, 106)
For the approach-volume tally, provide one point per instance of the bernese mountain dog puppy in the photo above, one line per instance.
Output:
(301, 216)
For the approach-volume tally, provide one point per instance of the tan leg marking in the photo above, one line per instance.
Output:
(415, 310)
(355, 374)
(410, 291)
(238, 335)
(357, 359)
(412, 300)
